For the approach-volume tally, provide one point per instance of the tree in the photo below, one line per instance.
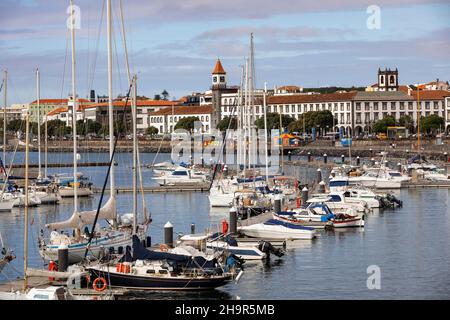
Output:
(432, 123)
(312, 119)
(186, 123)
(152, 130)
(407, 122)
(88, 126)
(381, 125)
(273, 121)
(165, 95)
(57, 128)
(224, 124)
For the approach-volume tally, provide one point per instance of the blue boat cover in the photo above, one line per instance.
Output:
(273, 222)
(142, 253)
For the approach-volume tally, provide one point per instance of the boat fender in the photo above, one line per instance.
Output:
(239, 275)
(224, 226)
(95, 284)
(163, 247)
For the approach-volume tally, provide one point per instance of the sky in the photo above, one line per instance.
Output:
(173, 44)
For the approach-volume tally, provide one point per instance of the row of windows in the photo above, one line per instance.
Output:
(402, 105)
(174, 118)
(380, 115)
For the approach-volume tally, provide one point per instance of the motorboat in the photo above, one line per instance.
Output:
(346, 221)
(338, 202)
(182, 176)
(67, 187)
(276, 229)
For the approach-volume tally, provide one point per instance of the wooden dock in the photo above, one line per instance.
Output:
(426, 184)
(42, 282)
(161, 189)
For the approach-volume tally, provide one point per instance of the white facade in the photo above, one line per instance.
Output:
(165, 123)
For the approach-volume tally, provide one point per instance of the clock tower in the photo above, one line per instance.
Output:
(219, 85)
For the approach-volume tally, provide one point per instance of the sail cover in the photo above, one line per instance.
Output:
(80, 219)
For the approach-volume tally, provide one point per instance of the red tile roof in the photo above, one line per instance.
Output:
(183, 111)
(218, 69)
(139, 103)
(57, 101)
(431, 94)
(311, 98)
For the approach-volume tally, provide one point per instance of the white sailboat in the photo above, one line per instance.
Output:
(117, 235)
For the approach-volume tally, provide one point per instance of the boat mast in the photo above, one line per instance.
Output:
(245, 116)
(135, 168)
(25, 230)
(239, 122)
(265, 131)
(5, 92)
(38, 101)
(45, 147)
(74, 110)
(110, 94)
(251, 110)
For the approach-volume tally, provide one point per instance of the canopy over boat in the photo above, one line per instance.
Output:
(80, 219)
(141, 253)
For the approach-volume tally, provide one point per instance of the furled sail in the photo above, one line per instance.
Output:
(80, 219)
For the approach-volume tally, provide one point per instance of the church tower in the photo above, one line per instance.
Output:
(219, 85)
(387, 80)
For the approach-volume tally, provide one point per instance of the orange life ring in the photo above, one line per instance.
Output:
(163, 247)
(102, 288)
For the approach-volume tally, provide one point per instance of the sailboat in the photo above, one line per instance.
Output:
(117, 235)
(46, 192)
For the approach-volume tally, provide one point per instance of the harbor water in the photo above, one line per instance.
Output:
(410, 246)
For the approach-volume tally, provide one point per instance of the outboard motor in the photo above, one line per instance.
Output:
(394, 200)
(268, 248)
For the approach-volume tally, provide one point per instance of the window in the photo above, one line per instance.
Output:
(358, 106)
(214, 79)
(366, 106)
(410, 105)
(427, 105)
(222, 78)
(402, 105)
(384, 106)
(381, 79)
(375, 106)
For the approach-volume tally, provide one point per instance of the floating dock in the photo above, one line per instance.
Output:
(162, 189)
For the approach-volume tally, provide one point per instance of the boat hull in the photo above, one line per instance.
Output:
(81, 192)
(138, 282)
(276, 232)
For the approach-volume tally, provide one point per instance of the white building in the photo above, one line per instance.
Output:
(166, 119)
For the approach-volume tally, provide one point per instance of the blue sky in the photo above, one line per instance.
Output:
(173, 44)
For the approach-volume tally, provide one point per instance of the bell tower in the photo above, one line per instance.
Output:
(388, 80)
(219, 85)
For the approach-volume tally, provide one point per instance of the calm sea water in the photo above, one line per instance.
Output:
(410, 245)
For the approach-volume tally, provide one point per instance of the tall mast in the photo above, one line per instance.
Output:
(74, 110)
(245, 116)
(251, 87)
(135, 167)
(5, 92)
(239, 122)
(265, 131)
(45, 147)
(25, 230)
(110, 94)
(419, 114)
(38, 101)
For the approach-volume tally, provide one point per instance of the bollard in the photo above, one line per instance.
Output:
(289, 155)
(277, 205)
(112, 250)
(168, 234)
(371, 152)
(319, 176)
(358, 161)
(149, 241)
(203, 162)
(309, 156)
(63, 258)
(322, 187)
(342, 158)
(233, 221)
(120, 250)
(325, 158)
(192, 228)
(249, 212)
(304, 195)
(399, 167)
(372, 161)
(386, 163)
(445, 157)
